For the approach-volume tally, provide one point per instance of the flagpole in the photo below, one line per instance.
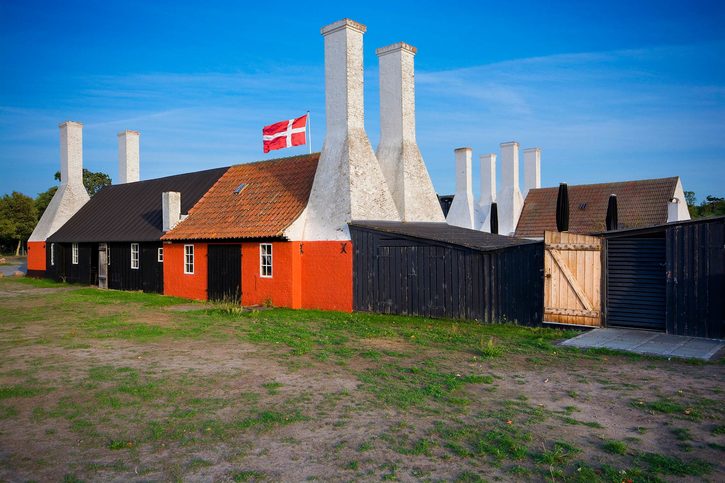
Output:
(309, 132)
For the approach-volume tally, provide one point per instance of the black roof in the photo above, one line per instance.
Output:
(659, 228)
(131, 212)
(444, 233)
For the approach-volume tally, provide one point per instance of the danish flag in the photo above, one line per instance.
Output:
(285, 134)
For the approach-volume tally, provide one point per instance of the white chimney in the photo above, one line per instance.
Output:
(171, 209)
(673, 211)
(509, 199)
(488, 191)
(398, 153)
(532, 170)
(461, 212)
(128, 156)
(349, 184)
(71, 194)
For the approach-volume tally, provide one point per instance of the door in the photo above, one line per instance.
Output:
(636, 282)
(572, 279)
(152, 268)
(102, 265)
(224, 273)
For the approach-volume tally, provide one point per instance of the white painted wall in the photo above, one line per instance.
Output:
(170, 209)
(488, 192)
(509, 199)
(398, 153)
(679, 212)
(532, 170)
(462, 211)
(71, 194)
(349, 184)
(128, 156)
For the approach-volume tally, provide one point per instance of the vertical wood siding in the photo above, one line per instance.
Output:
(398, 275)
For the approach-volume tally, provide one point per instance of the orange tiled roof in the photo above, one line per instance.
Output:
(640, 203)
(274, 195)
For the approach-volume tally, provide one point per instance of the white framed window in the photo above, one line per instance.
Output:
(74, 254)
(188, 259)
(52, 253)
(160, 255)
(265, 260)
(134, 256)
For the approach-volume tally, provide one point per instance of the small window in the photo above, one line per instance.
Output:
(134, 256)
(189, 259)
(240, 188)
(74, 254)
(52, 253)
(265, 260)
(160, 255)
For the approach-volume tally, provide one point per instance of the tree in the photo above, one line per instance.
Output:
(43, 200)
(18, 217)
(92, 181)
(712, 206)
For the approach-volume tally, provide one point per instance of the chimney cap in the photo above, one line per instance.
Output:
(129, 131)
(510, 143)
(67, 123)
(489, 155)
(529, 150)
(343, 24)
(463, 149)
(395, 48)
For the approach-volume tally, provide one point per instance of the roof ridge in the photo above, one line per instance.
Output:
(668, 178)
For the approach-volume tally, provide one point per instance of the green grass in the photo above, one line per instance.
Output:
(615, 447)
(7, 392)
(248, 475)
(670, 465)
(34, 282)
(267, 420)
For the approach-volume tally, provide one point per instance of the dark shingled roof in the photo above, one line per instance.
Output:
(444, 233)
(131, 212)
(640, 203)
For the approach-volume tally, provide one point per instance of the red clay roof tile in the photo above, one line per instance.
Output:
(640, 203)
(275, 195)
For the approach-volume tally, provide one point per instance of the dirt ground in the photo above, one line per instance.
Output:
(112, 388)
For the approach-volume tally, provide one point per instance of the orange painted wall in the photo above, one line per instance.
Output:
(327, 275)
(36, 255)
(176, 282)
(283, 288)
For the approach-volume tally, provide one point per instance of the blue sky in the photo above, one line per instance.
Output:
(626, 90)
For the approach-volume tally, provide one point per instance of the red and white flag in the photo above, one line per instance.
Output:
(285, 134)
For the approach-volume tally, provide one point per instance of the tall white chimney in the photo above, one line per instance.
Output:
(398, 153)
(461, 212)
(509, 199)
(128, 156)
(349, 184)
(673, 210)
(171, 209)
(532, 170)
(71, 194)
(488, 191)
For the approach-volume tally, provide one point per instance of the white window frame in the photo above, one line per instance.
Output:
(265, 269)
(74, 254)
(160, 255)
(134, 256)
(189, 259)
(52, 253)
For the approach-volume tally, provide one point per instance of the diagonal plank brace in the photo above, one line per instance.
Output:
(572, 281)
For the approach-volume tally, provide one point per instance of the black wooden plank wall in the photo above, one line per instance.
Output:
(397, 275)
(64, 270)
(696, 279)
(149, 277)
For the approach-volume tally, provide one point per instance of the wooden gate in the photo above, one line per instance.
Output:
(573, 270)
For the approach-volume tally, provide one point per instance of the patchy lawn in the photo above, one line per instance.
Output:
(106, 385)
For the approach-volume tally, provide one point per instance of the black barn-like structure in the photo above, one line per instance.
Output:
(439, 270)
(122, 225)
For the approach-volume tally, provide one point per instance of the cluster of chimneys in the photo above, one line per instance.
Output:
(353, 182)
(71, 154)
(506, 203)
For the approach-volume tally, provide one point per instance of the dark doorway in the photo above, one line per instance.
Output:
(636, 282)
(225, 273)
